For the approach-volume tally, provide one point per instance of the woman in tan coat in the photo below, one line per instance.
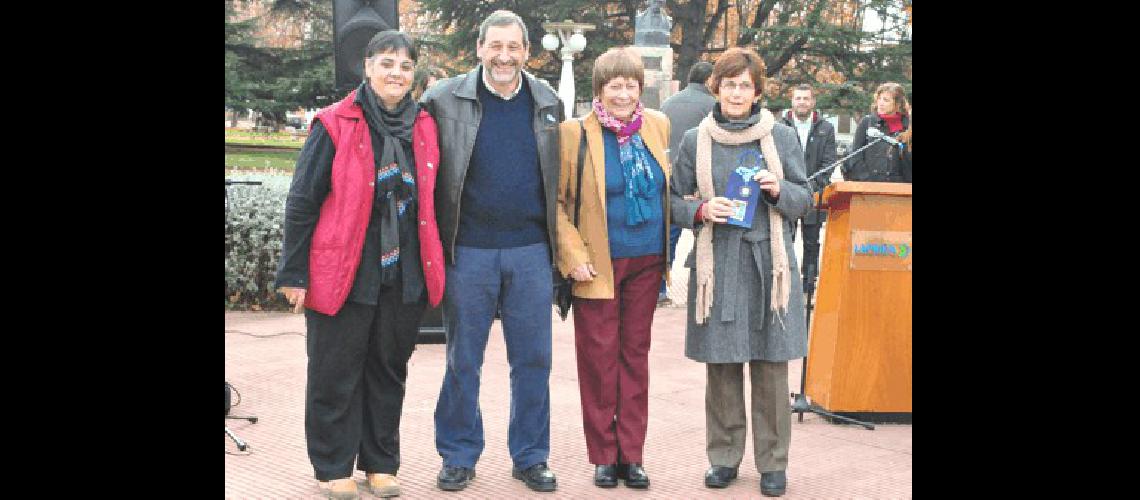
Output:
(616, 255)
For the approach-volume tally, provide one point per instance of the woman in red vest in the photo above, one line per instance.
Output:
(362, 256)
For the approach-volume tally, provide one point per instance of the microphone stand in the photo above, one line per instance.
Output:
(845, 158)
(801, 404)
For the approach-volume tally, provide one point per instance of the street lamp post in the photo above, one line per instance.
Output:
(573, 41)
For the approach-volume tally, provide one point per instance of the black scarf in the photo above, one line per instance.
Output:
(391, 132)
(736, 125)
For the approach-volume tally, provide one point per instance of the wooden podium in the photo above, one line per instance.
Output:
(859, 353)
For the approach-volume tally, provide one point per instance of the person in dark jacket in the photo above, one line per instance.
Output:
(744, 305)
(355, 258)
(685, 110)
(496, 203)
(817, 138)
(882, 162)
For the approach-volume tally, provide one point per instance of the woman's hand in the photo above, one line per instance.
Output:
(768, 182)
(718, 209)
(584, 272)
(296, 297)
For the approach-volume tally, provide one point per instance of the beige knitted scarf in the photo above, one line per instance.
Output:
(708, 131)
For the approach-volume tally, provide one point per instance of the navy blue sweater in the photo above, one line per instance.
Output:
(503, 204)
(626, 241)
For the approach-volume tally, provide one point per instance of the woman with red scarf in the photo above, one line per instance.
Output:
(616, 254)
(883, 162)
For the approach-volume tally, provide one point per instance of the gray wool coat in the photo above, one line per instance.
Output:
(741, 327)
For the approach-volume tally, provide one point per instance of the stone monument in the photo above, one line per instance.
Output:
(652, 33)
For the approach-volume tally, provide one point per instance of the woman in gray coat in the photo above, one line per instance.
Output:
(739, 183)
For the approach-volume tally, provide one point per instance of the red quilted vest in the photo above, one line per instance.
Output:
(338, 239)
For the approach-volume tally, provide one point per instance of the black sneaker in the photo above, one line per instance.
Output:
(537, 477)
(454, 478)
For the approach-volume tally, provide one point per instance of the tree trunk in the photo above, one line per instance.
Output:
(691, 18)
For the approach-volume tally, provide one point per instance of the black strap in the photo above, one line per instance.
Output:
(578, 186)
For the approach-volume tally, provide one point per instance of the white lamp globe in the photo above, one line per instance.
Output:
(577, 42)
(550, 41)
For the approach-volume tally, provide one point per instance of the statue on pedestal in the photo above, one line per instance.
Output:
(652, 27)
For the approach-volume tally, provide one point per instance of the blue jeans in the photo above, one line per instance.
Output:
(518, 282)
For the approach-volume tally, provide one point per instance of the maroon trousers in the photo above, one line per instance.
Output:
(611, 338)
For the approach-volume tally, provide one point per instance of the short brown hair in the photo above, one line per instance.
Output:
(735, 61)
(804, 86)
(618, 62)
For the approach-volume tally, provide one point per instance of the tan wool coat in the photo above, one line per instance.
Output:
(589, 242)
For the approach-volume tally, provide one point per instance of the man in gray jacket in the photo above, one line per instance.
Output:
(494, 199)
(685, 110)
(817, 138)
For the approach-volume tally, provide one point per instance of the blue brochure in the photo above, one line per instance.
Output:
(743, 190)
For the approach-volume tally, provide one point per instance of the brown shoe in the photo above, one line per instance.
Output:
(340, 489)
(384, 485)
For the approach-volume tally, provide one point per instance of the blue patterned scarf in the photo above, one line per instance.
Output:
(642, 198)
(391, 135)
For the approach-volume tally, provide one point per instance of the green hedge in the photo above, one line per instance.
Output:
(254, 220)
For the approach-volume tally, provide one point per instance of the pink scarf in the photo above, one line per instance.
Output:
(624, 130)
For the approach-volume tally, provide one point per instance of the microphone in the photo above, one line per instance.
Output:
(875, 133)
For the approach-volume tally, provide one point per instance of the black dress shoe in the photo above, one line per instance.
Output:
(635, 476)
(719, 477)
(605, 476)
(773, 484)
(454, 478)
(622, 470)
(537, 477)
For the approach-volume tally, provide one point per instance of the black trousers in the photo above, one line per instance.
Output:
(358, 362)
(811, 250)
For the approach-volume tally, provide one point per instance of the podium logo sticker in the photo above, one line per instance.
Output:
(900, 250)
(881, 250)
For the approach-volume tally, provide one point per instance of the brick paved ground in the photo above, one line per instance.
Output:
(265, 360)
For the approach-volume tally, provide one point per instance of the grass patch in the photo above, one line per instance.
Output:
(267, 142)
(262, 160)
(250, 138)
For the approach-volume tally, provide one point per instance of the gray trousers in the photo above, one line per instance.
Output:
(725, 422)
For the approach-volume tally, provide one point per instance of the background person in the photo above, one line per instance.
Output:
(882, 162)
(685, 110)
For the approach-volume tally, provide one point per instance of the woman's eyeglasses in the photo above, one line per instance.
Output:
(731, 86)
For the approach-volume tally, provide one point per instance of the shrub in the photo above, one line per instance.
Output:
(254, 221)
